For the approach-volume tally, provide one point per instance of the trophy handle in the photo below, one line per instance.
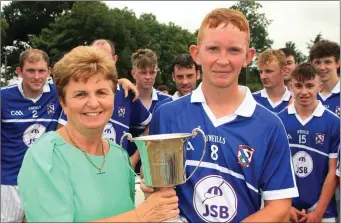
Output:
(130, 138)
(194, 133)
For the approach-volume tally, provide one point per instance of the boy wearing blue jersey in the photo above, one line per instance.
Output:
(325, 56)
(185, 75)
(29, 109)
(272, 68)
(314, 137)
(248, 156)
(144, 71)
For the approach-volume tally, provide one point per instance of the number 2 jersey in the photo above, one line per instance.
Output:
(247, 158)
(24, 120)
(313, 142)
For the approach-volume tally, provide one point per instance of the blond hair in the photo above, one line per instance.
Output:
(80, 64)
(32, 56)
(224, 16)
(268, 56)
(144, 58)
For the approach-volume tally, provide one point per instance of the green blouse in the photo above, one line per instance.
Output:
(58, 184)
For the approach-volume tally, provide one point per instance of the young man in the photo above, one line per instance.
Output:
(127, 111)
(272, 66)
(325, 56)
(144, 71)
(185, 75)
(239, 168)
(314, 137)
(290, 65)
(29, 109)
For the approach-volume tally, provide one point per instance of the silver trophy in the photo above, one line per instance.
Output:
(163, 158)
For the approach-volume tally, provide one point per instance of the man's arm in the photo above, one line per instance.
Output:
(273, 211)
(128, 86)
(327, 193)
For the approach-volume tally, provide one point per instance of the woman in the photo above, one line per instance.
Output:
(75, 175)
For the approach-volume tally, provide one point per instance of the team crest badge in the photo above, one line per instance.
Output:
(121, 111)
(319, 138)
(245, 154)
(50, 109)
(337, 111)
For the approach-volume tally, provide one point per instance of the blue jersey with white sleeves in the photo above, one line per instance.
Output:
(332, 101)
(137, 130)
(313, 142)
(247, 158)
(23, 120)
(263, 98)
(126, 113)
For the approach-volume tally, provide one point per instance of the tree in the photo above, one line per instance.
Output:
(259, 36)
(317, 39)
(21, 20)
(300, 57)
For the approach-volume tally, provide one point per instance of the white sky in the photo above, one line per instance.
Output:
(297, 21)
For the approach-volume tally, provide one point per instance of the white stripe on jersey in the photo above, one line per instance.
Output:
(221, 169)
(308, 148)
(29, 120)
(119, 123)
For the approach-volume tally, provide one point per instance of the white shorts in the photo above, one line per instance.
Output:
(11, 207)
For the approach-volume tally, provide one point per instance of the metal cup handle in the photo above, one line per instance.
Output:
(194, 133)
(130, 138)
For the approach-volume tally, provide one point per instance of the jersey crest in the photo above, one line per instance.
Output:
(245, 154)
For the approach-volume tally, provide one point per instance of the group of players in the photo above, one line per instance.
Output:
(278, 146)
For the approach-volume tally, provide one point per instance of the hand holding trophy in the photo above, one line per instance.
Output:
(163, 158)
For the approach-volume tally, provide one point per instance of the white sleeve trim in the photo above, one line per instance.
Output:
(62, 121)
(280, 194)
(333, 155)
(146, 122)
(338, 172)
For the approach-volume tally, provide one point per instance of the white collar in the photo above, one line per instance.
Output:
(336, 89)
(176, 96)
(246, 108)
(154, 95)
(318, 112)
(46, 89)
(285, 97)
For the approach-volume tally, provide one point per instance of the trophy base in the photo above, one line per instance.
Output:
(177, 219)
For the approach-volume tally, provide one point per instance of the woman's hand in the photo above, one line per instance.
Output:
(159, 206)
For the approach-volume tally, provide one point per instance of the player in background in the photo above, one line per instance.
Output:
(144, 71)
(290, 65)
(185, 75)
(325, 56)
(314, 138)
(29, 109)
(272, 67)
(239, 169)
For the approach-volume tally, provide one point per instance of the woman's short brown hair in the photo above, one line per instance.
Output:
(80, 64)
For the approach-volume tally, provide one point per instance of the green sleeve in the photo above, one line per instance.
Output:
(44, 185)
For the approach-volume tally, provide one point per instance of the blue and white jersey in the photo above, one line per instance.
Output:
(23, 120)
(313, 142)
(170, 99)
(247, 158)
(332, 101)
(137, 130)
(263, 98)
(338, 164)
(126, 113)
